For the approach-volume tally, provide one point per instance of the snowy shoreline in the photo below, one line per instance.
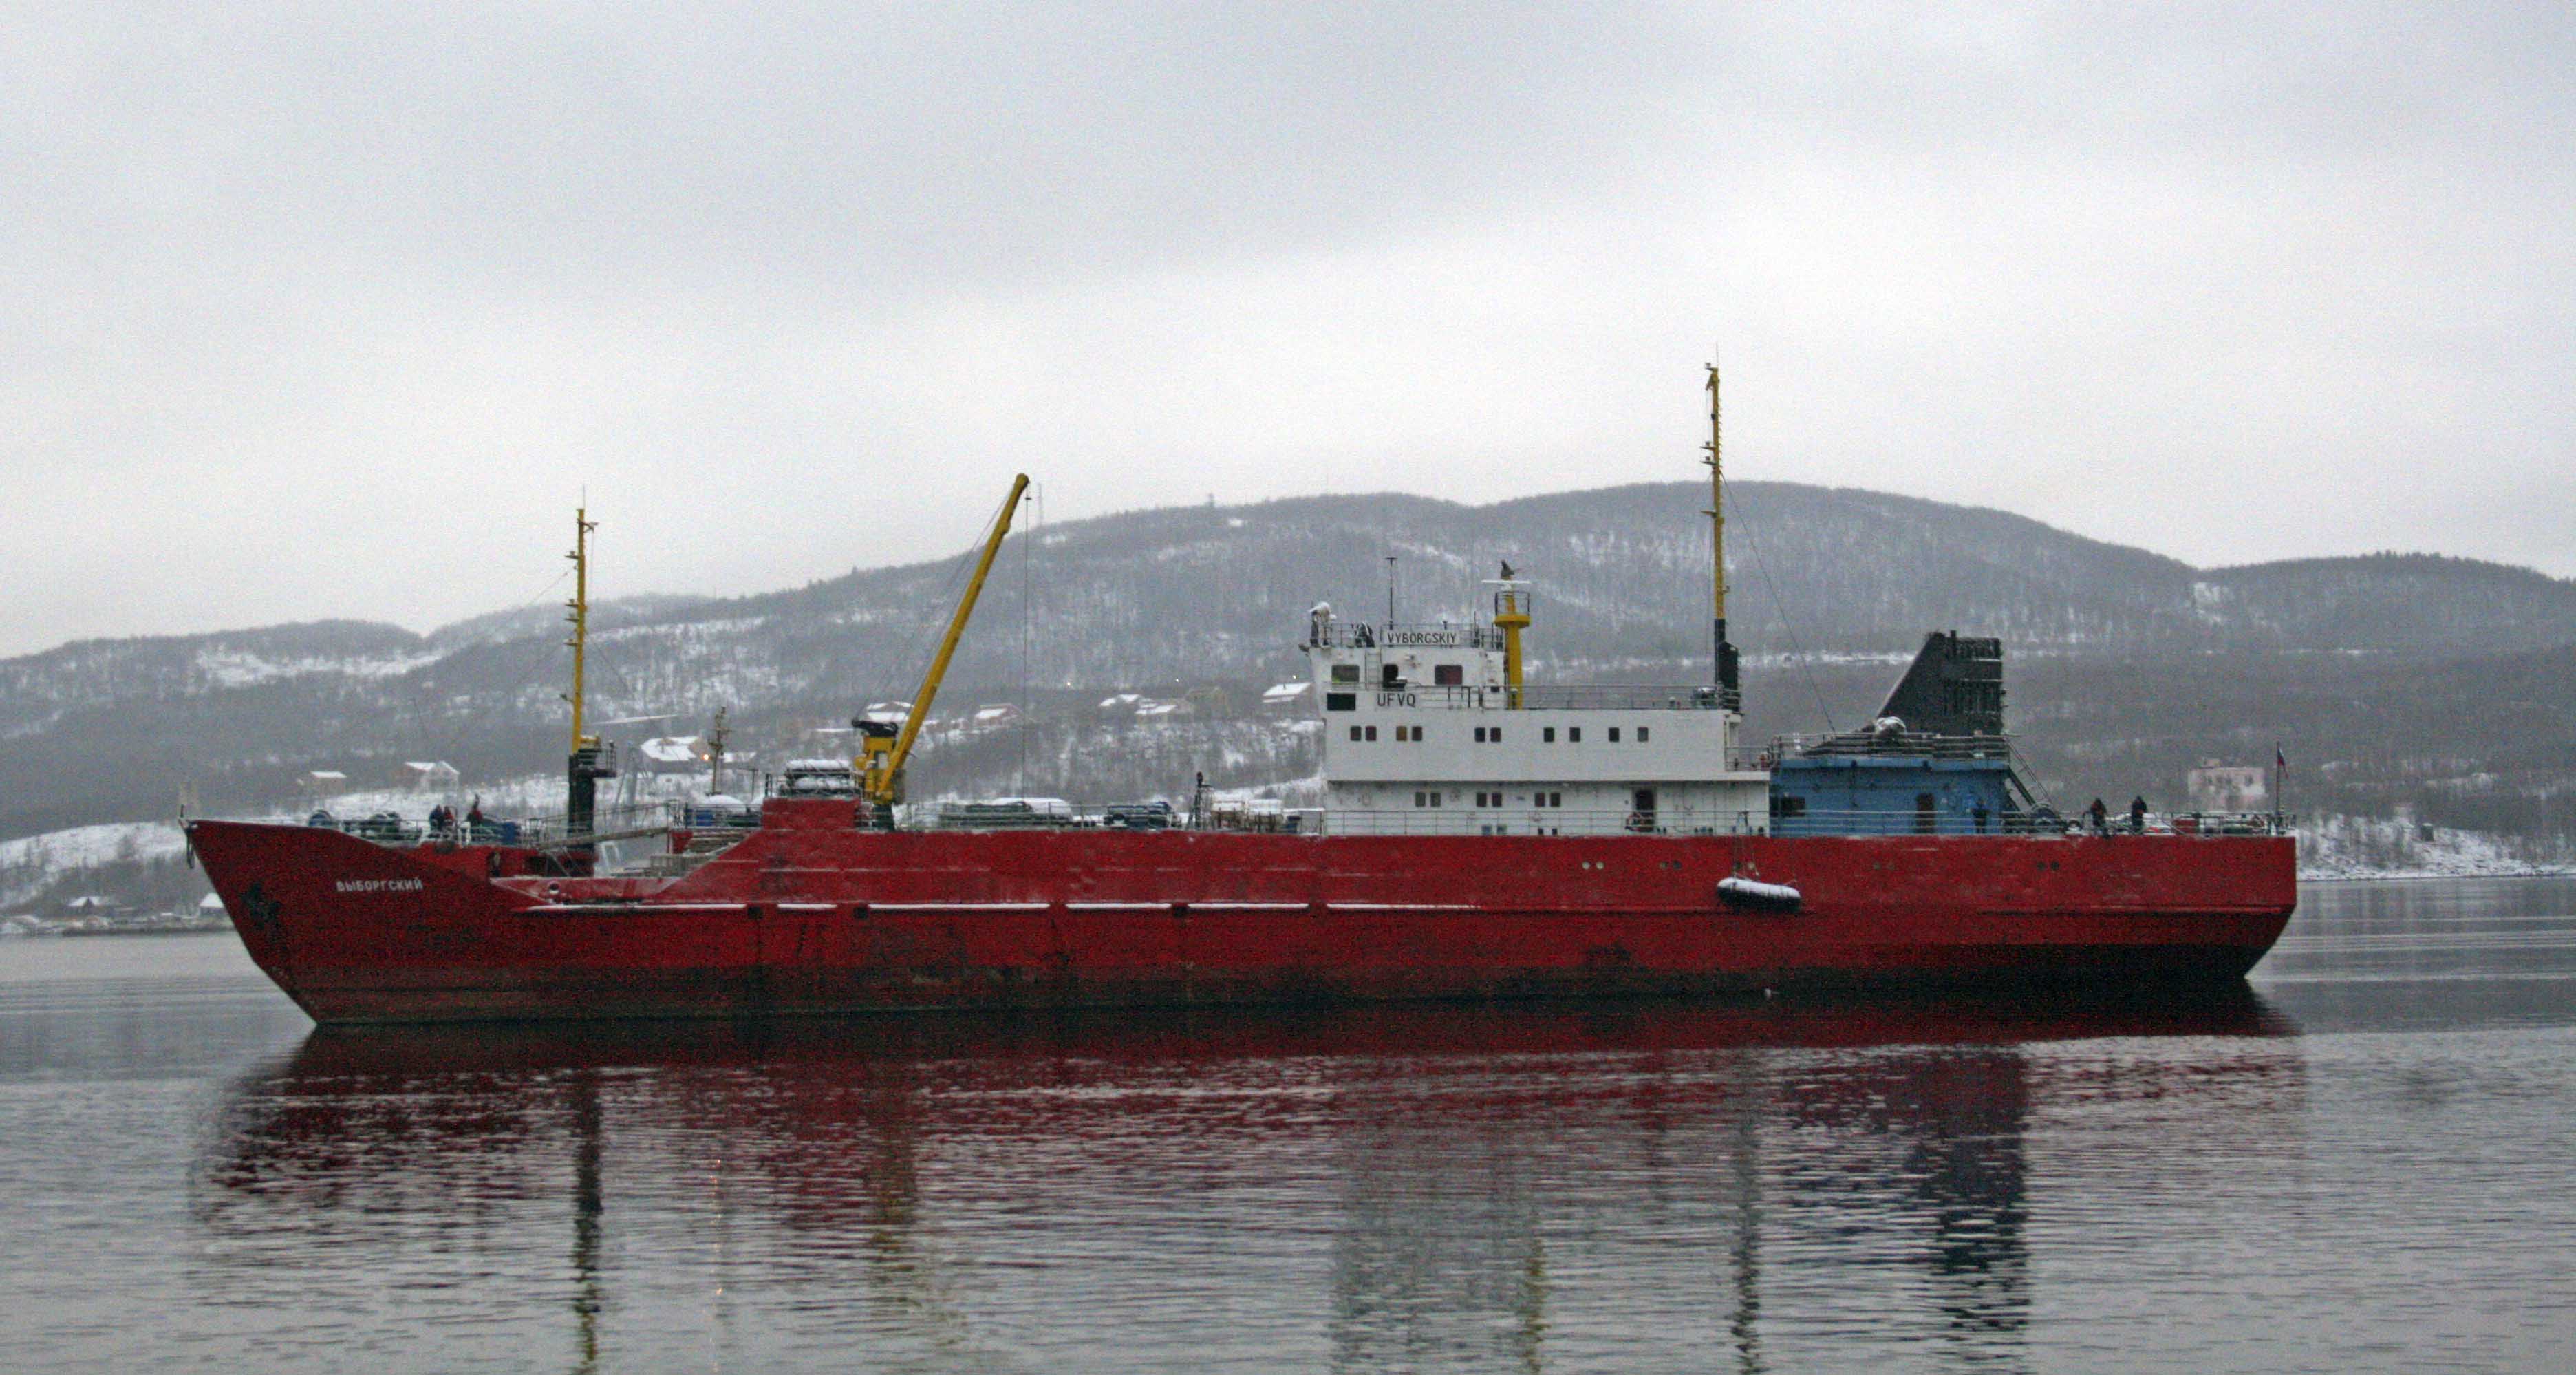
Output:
(2426, 875)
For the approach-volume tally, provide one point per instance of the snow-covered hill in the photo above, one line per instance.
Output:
(2127, 667)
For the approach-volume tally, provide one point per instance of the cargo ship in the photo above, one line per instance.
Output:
(1480, 837)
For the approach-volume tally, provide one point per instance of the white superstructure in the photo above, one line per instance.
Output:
(1427, 730)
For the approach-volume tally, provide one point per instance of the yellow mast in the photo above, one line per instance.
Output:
(1511, 616)
(881, 761)
(582, 525)
(1724, 652)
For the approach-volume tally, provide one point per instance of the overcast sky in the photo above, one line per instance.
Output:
(336, 309)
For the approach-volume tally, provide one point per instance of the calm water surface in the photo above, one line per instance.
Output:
(2366, 1161)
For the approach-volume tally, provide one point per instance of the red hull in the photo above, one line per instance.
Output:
(808, 915)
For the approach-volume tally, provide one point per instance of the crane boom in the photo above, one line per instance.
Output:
(881, 761)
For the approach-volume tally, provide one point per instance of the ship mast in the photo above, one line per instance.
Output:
(716, 754)
(1730, 691)
(587, 763)
(579, 644)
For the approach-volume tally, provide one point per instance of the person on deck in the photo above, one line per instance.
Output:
(2138, 816)
(2100, 816)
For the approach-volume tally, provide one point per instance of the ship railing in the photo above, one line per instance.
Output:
(1894, 743)
(1892, 822)
(1442, 635)
(606, 823)
(541, 831)
(1587, 697)
(1520, 821)
(1523, 821)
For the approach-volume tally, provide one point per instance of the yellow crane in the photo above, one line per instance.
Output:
(882, 749)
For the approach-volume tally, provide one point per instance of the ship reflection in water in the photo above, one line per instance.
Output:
(1472, 1187)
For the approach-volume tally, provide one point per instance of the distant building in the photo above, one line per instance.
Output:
(665, 753)
(1137, 704)
(1283, 697)
(2217, 787)
(92, 910)
(321, 783)
(431, 776)
(993, 716)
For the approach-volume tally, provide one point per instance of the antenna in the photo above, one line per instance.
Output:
(1390, 591)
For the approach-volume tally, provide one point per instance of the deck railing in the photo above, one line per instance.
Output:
(1522, 821)
(609, 823)
(540, 831)
(1908, 823)
(1897, 744)
(1362, 635)
(1586, 697)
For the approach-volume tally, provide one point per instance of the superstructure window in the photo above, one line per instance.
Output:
(1641, 734)
(1547, 735)
(1574, 735)
(1448, 675)
(1346, 673)
(1355, 733)
(1422, 799)
(1372, 732)
(1614, 735)
(1341, 701)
